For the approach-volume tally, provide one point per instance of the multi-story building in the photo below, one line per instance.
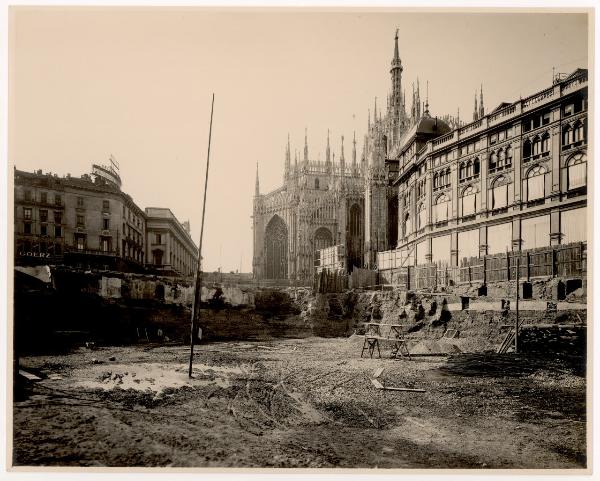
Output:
(429, 188)
(86, 221)
(171, 249)
(513, 179)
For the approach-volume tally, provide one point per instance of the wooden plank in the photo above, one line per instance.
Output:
(377, 384)
(28, 375)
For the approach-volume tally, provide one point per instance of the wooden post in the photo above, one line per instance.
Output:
(198, 286)
(528, 268)
(517, 312)
(507, 266)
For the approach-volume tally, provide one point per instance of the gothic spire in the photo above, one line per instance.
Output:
(396, 54)
(481, 109)
(256, 185)
(475, 111)
(328, 151)
(287, 156)
(305, 145)
(375, 111)
(354, 151)
(427, 100)
(342, 159)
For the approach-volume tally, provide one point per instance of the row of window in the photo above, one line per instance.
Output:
(535, 185)
(29, 197)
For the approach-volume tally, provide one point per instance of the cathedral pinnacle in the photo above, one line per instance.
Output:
(354, 151)
(396, 54)
(328, 151)
(481, 109)
(475, 110)
(306, 144)
(342, 159)
(256, 186)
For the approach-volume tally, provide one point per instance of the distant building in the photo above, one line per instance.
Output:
(171, 249)
(86, 221)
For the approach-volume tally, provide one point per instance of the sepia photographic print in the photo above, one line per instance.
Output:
(282, 238)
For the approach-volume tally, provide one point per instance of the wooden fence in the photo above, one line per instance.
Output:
(555, 261)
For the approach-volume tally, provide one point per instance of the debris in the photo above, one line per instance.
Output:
(112, 358)
(377, 372)
(29, 376)
(96, 361)
(379, 385)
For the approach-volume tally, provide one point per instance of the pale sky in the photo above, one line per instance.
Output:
(137, 83)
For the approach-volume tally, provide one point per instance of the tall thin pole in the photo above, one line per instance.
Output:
(198, 286)
(517, 307)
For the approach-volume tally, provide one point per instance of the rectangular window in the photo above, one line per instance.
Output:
(569, 109)
(80, 242)
(440, 211)
(43, 229)
(535, 187)
(105, 244)
(158, 239)
(106, 224)
(27, 195)
(57, 199)
(80, 220)
(44, 198)
(499, 238)
(573, 225)
(468, 244)
(440, 249)
(535, 232)
(546, 119)
(57, 217)
(43, 216)
(500, 197)
(468, 204)
(576, 175)
(27, 213)
(27, 228)
(79, 201)
(57, 231)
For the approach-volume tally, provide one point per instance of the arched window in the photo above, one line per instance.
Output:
(440, 209)
(536, 183)
(578, 131)
(526, 149)
(499, 193)
(316, 183)
(493, 160)
(537, 144)
(476, 167)
(567, 135)
(546, 142)
(577, 171)
(447, 181)
(435, 181)
(509, 155)
(422, 216)
(461, 170)
(469, 201)
(469, 169)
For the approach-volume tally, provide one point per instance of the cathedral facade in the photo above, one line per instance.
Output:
(322, 204)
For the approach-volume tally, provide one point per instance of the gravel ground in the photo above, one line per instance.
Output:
(299, 403)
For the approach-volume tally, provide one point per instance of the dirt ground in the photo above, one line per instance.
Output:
(299, 403)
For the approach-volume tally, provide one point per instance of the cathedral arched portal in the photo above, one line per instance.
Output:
(276, 242)
(322, 239)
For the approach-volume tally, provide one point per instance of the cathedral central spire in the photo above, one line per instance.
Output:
(328, 152)
(306, 145)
